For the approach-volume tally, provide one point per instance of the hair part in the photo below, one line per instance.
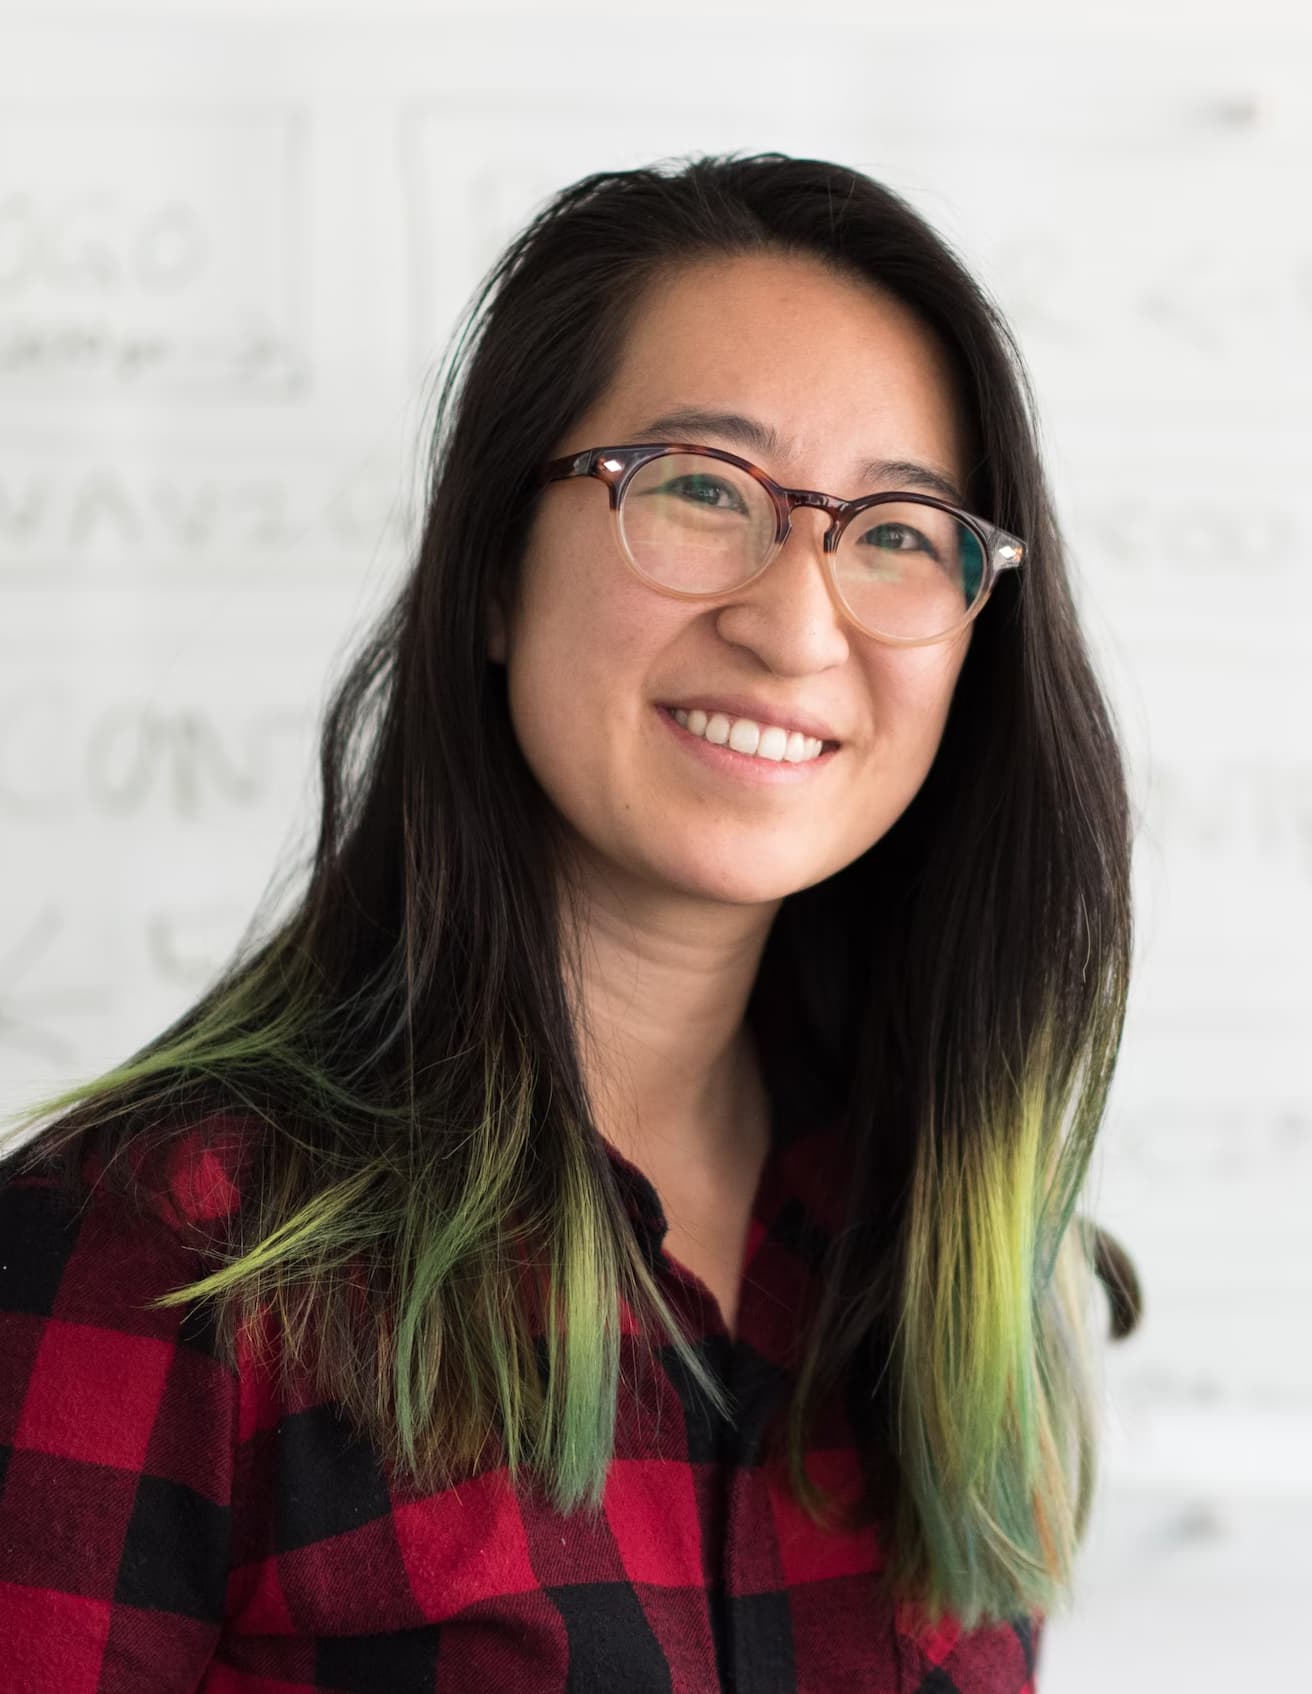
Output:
(425, 1195)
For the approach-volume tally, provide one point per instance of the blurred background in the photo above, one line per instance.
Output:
(232, 244)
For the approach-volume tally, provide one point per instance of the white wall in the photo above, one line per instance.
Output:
(230, 250)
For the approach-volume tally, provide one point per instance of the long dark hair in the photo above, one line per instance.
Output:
(400, 1052)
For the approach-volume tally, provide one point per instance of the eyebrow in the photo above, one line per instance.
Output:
(691, 423)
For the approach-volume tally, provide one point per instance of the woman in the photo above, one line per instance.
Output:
(618, 1232)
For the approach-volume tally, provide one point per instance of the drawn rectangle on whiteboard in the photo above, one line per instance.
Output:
(150, 252)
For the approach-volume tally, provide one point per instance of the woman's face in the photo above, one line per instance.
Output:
(830, 375)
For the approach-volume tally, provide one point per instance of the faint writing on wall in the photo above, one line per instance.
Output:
(1199, 539)
(35, 1015)
(60, 520)
(151, 251)
(56, 759)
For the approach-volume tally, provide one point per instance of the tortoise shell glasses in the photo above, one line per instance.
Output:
(698, 522)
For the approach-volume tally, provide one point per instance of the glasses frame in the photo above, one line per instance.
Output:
(616, 466)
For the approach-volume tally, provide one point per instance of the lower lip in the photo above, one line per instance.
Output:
(745, 766)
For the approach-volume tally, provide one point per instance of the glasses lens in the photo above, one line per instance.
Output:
(696, 524)
(908, 570)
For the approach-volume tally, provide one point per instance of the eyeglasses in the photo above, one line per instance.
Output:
(697, 523)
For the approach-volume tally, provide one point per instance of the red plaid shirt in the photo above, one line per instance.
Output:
(167, 1522)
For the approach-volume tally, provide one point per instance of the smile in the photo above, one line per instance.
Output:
(745, 735)
(747, 750)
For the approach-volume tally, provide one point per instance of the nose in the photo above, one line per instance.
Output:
(787, 616)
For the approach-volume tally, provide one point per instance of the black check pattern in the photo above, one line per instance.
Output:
(169, 1522)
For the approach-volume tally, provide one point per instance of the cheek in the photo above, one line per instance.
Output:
(910, 691)
(575, 595)
(585, 624)
(577, 651)
(912, 688)
(583, 638)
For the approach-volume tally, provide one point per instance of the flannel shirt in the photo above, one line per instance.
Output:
(168, 1522)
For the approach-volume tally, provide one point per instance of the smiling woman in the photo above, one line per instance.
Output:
(828, 368)
(620, 1230)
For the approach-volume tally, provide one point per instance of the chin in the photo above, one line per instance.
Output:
(740, 884)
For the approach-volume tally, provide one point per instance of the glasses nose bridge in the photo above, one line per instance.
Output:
(833, 508)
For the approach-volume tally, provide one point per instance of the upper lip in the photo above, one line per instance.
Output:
(760, 711)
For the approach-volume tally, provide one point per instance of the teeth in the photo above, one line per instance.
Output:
(745, 736)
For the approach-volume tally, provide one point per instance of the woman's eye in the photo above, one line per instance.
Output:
(897, 538)
(706, 491)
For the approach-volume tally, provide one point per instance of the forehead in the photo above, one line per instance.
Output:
(842, 372)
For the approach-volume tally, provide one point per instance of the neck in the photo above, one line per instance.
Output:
(660, 984)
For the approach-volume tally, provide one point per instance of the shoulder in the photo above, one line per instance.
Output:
(98, 1365)
(87, 1252)
(119, 1422)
